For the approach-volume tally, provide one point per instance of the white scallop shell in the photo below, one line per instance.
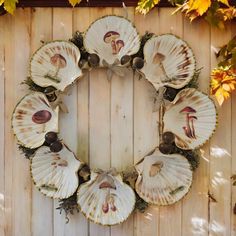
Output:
(112, 37)
(168, 61)
(109, 205)
(55, 64)
(55, 173)
(191, 117)
(29, 133)
(163, 179)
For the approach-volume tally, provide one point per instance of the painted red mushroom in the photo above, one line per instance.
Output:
(119, 44)
(189, 131)
(111, 37)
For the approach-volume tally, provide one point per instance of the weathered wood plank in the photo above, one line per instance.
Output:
(100, 120)
(122, 127)
(220, 155)
(62, 29)
(17, 172)
(171, 214)
(42, 207)
(2, 126)
(195, 205)
(145, 126)
(233, 162)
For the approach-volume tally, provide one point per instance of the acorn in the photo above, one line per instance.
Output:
(166, 148)
(125, 60)
(56, 146)
(138, 63)
(93, 60)
(170, 94)
(49, 90)
(51, 137)
(51, 97)
(168, 137)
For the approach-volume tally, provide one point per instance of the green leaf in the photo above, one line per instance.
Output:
(74, 2)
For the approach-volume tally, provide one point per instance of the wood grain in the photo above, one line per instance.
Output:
(111, 123)
(42, 208)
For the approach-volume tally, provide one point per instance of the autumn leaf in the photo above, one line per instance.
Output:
(224, 2)
(223, 82)
(74, 2)
(144, 6)
(9, 5)
(200, 6)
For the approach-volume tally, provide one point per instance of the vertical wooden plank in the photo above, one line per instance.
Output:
(42, 212)
(195, 205)
(10, 148)
(171, 214)
(145, 126)
(2, 125)
(99, 118)
(17, 171)
(220, 155)
(122, 127)
(62, 30)
(233, 163)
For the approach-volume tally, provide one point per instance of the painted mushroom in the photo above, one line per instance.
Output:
(111, 37)
(191, 117)
(189, 130)
(119, 44)
(105, 198)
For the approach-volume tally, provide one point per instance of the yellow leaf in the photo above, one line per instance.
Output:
(144, 6)
(200, 6)
(74, 2)
(10, 5)
(224, 2)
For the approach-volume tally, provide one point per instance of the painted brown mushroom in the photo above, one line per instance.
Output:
(189, 131)
(119, 44)
(111, 37)
(58, 61)
(158, 58)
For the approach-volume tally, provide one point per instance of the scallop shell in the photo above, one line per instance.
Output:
(106, 199)
(114, 37)
(32, 118)
(55, 64)
(55, 173)
(163, 179)
(191, 117)
(168, 61)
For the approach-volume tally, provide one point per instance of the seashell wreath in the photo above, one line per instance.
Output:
(187, 119)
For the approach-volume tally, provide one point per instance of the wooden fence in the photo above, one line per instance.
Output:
(111, 123)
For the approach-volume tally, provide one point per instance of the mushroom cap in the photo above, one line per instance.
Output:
(188, 110)
(159, 57)
(121, 42)
(58, 60)
(110, 35)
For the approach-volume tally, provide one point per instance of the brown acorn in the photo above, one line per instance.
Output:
(51, 97)
(41, 117)
(125, 60)
(56, 146)
(168, 137)
(51, 137)
(49, 90)
(138, 63)
(93, 60)
(166, 148)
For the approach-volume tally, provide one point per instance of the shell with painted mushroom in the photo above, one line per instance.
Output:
(55, 64)
(106, 199)
(115, 37)
(168, 61)
(163, 179)
(55, 173)
(191, 117)
(32, 118)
